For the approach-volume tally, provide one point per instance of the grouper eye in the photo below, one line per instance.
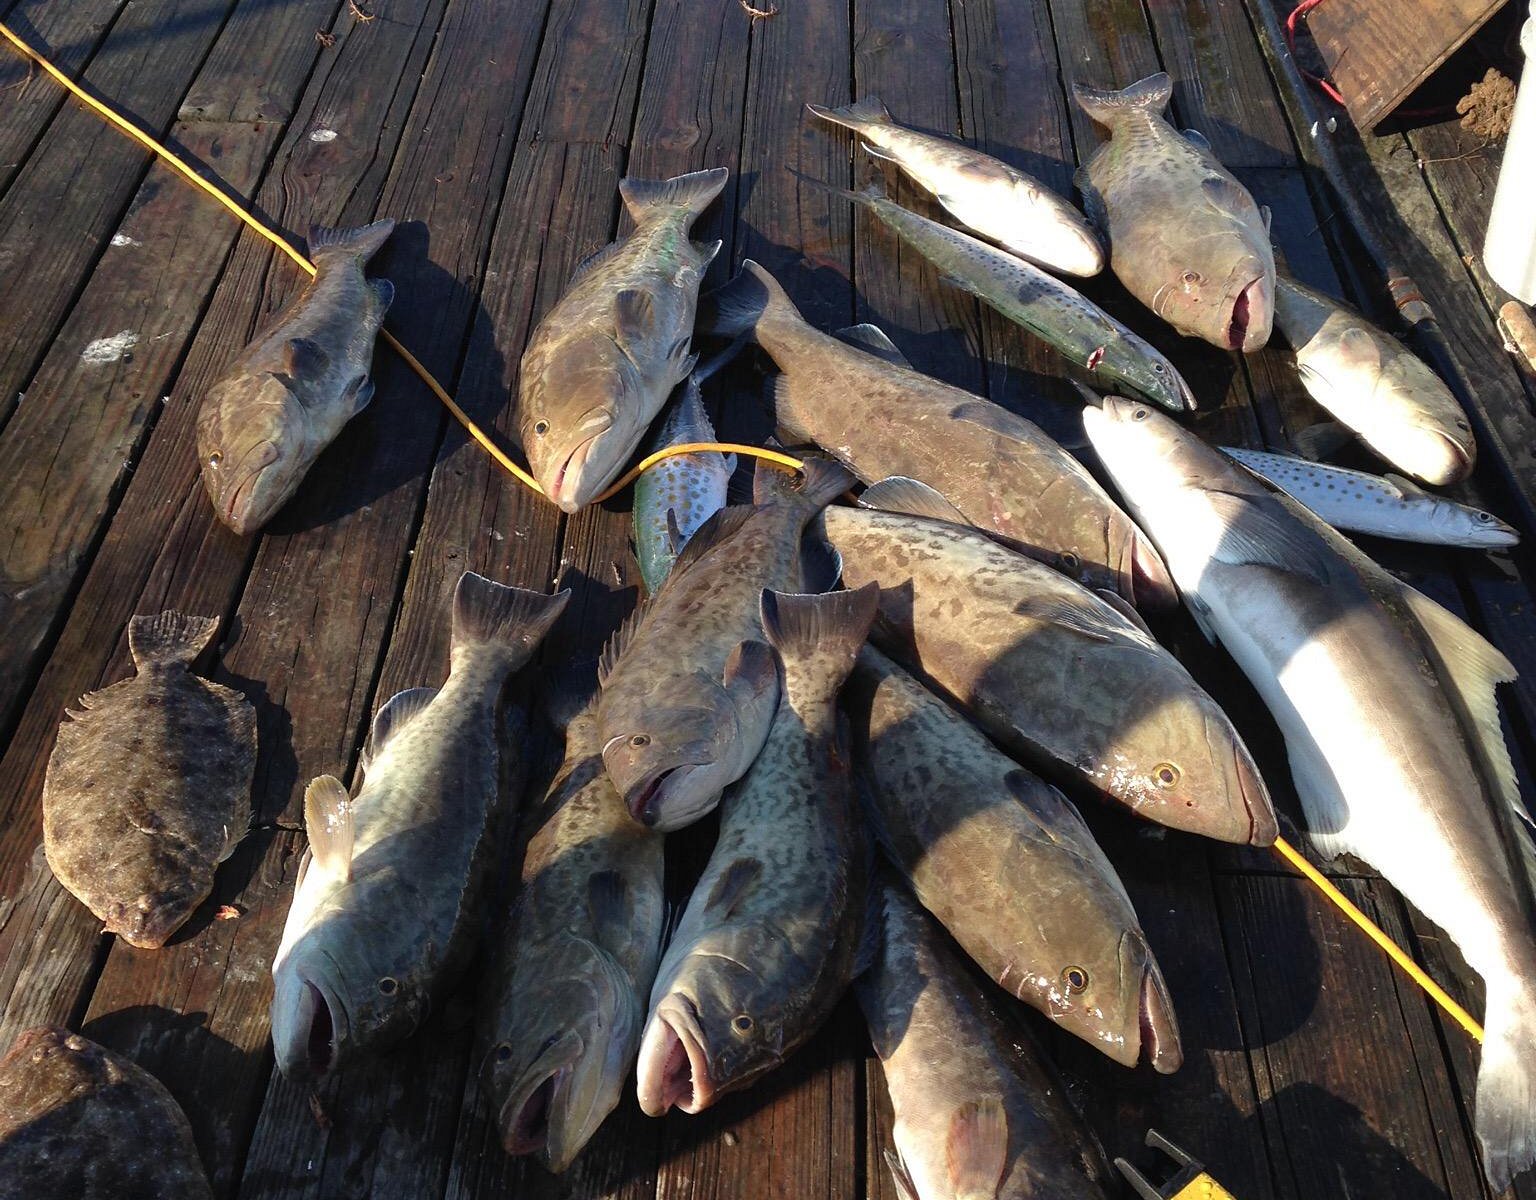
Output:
(1166, 775)
(1075, 979)
(640, 739)
(540, 428)
(215, 458)
(741, 1024)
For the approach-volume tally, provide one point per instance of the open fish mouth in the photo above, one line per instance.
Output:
(526, 1114)
(317, 1023)
(575, 481)
(674, 1068)
(1263, 825)
(1252, 316)
(1159, 1028)
(648, 804)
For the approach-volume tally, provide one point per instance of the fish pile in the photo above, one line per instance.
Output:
(894, 704)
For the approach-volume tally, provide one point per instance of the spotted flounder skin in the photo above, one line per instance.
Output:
(78, 1121)
(976, 1110)
(1054, 673)
(1008, 866)
(1185, 237)
(1001, 472)
(149, 785)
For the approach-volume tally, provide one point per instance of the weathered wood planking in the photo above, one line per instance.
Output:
(99, 390)
(164, 548)
(1378, 51)
(70, 35)
(70, 193)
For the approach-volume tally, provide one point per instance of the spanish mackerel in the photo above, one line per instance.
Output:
(602, 361)
(766, 945)
(998, 201)
(1058, 314)
(1384, 505)
(384, 912)
(574, 975)
(996, 470)
(1008, 866)
(979, 1115)
(1391, 724)
(1185, 237)
(1067, 679)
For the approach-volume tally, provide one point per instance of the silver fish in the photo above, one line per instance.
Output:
(1384, 505)
(766, 945)
(603, 360)
(284, 400)
(574, 976)
(1377, 387)
(978, 1113)
(383, 914)
(1388, 707)
(1185, 237)
(998, 201)
(149, 787)
(678, 494)
(1008, 866)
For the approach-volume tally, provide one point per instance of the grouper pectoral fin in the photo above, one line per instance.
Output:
(328, 822)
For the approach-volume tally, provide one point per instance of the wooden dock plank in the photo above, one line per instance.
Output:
(93, 400)
(165, 549)
(71, 192)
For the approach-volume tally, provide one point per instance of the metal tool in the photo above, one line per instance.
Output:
(1190, 1182)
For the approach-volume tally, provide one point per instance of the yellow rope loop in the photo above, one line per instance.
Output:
(783, 461)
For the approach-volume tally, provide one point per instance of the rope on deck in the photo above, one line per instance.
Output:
(783, 461)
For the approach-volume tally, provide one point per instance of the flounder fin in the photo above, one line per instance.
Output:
(594, 260)
(1255, 536)
(900, 494)
(490, 614)
(694, 192)
(873, 339)
(1472, 668)
(169, 637)
(868, 111)
(393, 717)
(976, 1149)
(363, 240)
(1104, 105)
(328, 824)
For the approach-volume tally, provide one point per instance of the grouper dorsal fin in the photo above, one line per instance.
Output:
(328, 823)
(1471, 669)
(393, 717)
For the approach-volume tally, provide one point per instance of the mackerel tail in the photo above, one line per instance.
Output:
(1053, 311)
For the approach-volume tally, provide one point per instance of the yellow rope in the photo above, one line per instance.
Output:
(1436, 993)
(785, 461)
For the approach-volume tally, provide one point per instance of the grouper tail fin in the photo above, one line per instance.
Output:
(508, 622)
(1106, 106)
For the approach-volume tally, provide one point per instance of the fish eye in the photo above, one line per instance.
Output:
(1070, 561)
(1484, 517)
(741, 1024)
(503, 1052)
(640, 739)
(1462, 425)
(1139, 415)
(1075, 978)
(389, 986)
(1191, 278)
(540, 428)
(1159, 368)
(215, 458)
(1165, 775)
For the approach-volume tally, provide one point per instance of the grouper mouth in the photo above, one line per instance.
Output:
(1159, 1029)
(574, 483)
(648, 802)
(673, 1070)
(1252, 316)
(1263, 825)
(525, 1115)
(234, 504)
(314, 1023)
